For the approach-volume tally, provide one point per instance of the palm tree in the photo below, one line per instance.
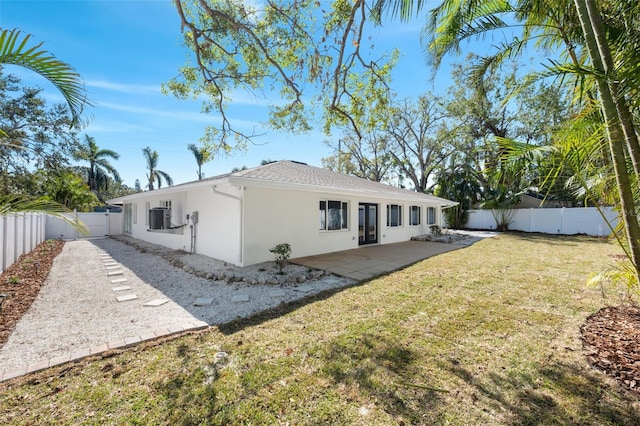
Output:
(99, 166)
(619, 128)
(154, 174)
(608, 66)
(14, 51)
(202, 155)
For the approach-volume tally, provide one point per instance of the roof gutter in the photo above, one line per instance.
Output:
(260, 183)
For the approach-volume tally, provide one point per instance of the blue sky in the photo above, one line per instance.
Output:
(125, 50)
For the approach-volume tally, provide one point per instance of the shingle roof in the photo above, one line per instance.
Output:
(294, 173)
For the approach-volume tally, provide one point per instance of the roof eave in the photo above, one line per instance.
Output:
(410, 196)
(205, 183)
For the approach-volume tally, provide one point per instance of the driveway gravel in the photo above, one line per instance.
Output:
(77, 308)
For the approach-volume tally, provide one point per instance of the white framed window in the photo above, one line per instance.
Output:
(333, 215)
(431, 215)
(394, 215)
(166, 204)
(128, 219)
(135, 213)
(415, 215)
(147, 207)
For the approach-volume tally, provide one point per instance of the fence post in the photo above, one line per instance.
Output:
(3, 260)
(75, 231)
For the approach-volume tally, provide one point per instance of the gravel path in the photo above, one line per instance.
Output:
(77, 307)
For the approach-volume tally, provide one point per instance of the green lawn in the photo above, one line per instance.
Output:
(484, 335)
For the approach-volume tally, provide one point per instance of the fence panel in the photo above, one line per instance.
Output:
(19, 234)
(568, 221)
(99, 225)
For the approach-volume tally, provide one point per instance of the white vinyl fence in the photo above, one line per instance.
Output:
(566, 221)
(20, 233)
(99, 225)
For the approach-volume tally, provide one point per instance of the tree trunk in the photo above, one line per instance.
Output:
(622, 109)
(599, 53)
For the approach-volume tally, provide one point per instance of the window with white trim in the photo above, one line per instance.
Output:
(135, 213)
(333, 215)
(394, 215)
(431, 215)
(166, 204)
(415, 215)
(147, 207)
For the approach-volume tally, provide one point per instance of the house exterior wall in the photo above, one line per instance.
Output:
(139, 226)
(217, 232)
(274, 216)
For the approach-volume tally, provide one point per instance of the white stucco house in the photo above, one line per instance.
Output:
(237, 217)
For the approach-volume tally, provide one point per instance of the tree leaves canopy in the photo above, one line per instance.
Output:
(306, 52)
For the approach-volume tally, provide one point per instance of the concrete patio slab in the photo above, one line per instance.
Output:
(370, 261)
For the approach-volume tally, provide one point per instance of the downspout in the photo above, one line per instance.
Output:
(240, 200)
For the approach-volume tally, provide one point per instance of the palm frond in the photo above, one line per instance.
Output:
(19, 203)
(14, 50)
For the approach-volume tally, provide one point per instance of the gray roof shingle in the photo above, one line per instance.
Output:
(295, 173)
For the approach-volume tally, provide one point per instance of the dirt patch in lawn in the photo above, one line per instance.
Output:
(611, 339)
(21, 282)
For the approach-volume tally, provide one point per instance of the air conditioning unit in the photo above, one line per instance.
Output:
(159, 218)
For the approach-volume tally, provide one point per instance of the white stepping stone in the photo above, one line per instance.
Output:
(203, 301)
(113, 267)
(237, 298)
(304, 288)
(119, 280)
(126, 298)
(121, 288)
(112, 273)
(156, 302)
(110, 263)
(276, 293)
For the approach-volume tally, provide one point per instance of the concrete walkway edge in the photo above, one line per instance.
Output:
(107, 346)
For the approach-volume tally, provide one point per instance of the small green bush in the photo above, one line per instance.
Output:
(282, 252)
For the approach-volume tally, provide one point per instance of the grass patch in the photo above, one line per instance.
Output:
(484, 335)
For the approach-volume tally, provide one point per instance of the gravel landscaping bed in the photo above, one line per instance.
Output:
(77, 307)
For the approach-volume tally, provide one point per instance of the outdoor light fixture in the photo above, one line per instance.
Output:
(2, 297)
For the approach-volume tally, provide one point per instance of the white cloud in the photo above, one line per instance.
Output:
(175, 115)
(138, 89)
(116, 127)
